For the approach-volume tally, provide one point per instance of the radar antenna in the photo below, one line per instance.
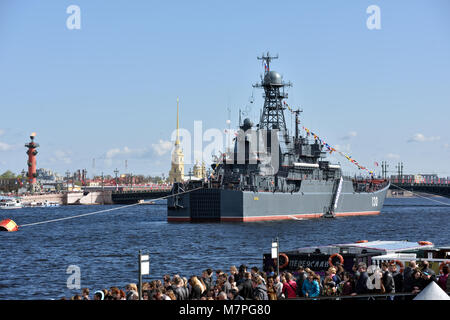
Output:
(267, 59)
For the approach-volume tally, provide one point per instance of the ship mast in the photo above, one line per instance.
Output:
(272, 116)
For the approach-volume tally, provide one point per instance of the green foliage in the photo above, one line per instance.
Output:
(8, 175)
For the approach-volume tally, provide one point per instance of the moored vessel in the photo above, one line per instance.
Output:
(271, 174)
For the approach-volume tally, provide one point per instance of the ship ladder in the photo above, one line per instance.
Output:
(330, 211)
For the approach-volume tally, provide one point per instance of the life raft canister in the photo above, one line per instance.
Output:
(330, 260)
(8, 225)
(425, 243)
(286, 260)
(399, 263)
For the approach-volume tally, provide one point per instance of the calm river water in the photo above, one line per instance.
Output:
(34, 260)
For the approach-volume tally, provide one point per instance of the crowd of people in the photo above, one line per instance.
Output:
(254, 284)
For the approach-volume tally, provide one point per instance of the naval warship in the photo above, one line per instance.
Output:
(270, 174)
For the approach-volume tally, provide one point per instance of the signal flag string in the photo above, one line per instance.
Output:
(101, 211)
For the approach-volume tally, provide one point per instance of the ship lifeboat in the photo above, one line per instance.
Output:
(8, 225)
(425, 243)
(361, 241)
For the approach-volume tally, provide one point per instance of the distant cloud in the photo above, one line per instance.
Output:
(349, 135)
(392, 156)
(117, 152)
(446, 145)
(61, 156)
(162, 147)
(5, 146)
(419, 137)
(343, 148)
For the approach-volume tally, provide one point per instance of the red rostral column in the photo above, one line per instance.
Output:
(32, 152)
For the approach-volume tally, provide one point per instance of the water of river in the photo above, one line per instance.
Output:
(34, 260)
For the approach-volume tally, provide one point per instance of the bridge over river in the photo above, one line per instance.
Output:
(440, 187)
(134, 196)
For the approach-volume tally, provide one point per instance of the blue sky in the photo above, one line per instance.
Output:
(108, 91)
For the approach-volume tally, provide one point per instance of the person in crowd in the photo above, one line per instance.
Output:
(387, 280)
(197, 288)
(234, 295)
(310, 287)
(361, 284)
(170, 295)
(179, 290)
(254, 271)
(271, 291)
(355, 272)
(99, 295)
(340, 271)
(207, 279)
(398, 277)
(289, 286)
(271, 271)
(131, 292)
(259, 288)
(317, 278)
(347, 285)
(240, 276)
(414, 284)
(158, 295)
(407, 273)
(167, 282)
(333, 275)
(278, 286)
(444, 280)
(218, 274)
(226, 285)
(428, 271)
(232, 281)
(329, 286)
(222, 296)
(301, 276)
(245, 288)
(186, 289)
(85, 294)
(115, 293)
(426, 279)
(233, 271)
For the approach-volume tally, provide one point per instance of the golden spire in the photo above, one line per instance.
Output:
(177, 142)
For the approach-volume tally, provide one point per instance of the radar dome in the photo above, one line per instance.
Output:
(273, 78)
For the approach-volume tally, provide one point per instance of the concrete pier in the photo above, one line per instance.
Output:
(72, 198)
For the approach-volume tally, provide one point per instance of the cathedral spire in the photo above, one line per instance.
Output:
(177, 142)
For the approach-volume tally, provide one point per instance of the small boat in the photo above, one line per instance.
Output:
(320, 258)
(10, 204)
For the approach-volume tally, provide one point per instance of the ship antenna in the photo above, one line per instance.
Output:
(267, 59)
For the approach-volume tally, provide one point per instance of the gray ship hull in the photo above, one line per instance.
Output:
(312, 201)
